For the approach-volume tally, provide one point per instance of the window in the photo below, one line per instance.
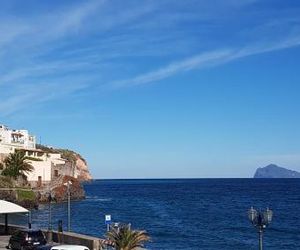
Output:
(56, 173)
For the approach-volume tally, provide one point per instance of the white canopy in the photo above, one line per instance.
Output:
(10, 208)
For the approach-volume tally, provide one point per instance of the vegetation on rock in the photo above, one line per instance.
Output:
(25, 195)
(66, 154)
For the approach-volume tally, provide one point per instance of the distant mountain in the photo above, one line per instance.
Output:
(274, 171)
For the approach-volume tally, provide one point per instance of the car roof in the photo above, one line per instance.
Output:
(69, 247)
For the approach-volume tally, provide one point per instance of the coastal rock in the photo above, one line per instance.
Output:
(8, 195)
(274, 171)
(82, 168)
(59, 191)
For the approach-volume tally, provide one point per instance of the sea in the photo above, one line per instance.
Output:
(187, 213)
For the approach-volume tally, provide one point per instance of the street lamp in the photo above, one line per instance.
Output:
(260, 220)
(68, 183)
(50, 215)
(50, 199)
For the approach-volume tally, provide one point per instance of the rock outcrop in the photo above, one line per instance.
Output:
(59, 190)
(73, 158)
(274, 171)
(82, 168)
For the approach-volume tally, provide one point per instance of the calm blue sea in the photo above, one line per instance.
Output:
(189, 213)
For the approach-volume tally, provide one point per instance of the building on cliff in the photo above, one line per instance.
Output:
(11, 139)
(47, 166)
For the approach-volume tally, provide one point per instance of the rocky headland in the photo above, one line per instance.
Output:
(22, 194)
(81, 165)
(57, 187)
(274, 171)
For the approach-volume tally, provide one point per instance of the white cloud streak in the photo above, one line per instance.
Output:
(31, 95)
(44, 49)
(207, 59)
(28, 39)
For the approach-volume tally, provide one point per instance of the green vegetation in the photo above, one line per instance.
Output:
(15, 165)
(47, 149)
(25, 194)
(125, 238)
(66, 154)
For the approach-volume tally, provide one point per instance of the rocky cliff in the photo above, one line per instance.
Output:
(274, 171)
(82, 168)
(80, 164)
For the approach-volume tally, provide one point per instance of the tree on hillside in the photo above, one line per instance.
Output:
(124, 238)
(16, 165)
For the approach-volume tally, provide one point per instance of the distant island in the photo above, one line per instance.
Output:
(274, 171)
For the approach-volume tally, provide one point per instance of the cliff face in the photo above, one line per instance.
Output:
(274, 171)
(80, 164)
(82, 169)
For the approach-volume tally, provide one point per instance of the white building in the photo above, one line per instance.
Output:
(11, 139)
(47, 167)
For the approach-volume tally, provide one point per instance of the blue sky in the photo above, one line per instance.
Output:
(156, 89)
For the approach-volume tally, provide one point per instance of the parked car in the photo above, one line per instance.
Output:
(27, 239)
(69, 247)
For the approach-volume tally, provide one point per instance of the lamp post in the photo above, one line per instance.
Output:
(50, 214)
(68, 183)
(50, 218)
(260, 220)
(29, 220)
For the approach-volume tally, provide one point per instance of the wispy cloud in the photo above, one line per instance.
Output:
(207, 59)
(31, 76)
(44, 28)
(109, 41)
(204, 59)
(31, 95)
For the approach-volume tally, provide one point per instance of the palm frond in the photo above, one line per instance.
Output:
(16, 164)
(125, 238)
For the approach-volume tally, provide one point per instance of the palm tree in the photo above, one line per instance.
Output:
(16, 165)
(124, 238)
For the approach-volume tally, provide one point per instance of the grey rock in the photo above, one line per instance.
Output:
(274, 171)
